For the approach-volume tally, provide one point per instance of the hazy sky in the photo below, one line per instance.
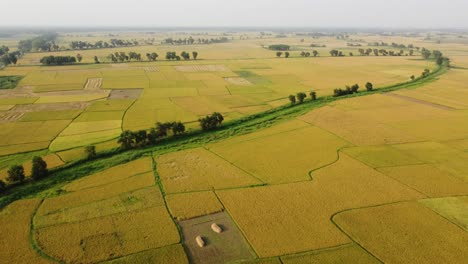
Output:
(261, 13)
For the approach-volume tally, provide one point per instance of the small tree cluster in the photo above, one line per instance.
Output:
(305, 54)
(39, 168)
(152, 56)
(369, 86)
(172, 55)
(211, 122)
(135, 139)
(81, 45)
(281, 47)
(336, 53)
(90, 152)
(122, 56)
(57, 60)
(348, 90)
(185, 55)
(7, 57)
(425, 73)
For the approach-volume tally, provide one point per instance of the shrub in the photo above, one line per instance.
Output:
(313, 95)
(369, 86)
(292, 99)
(211, 122)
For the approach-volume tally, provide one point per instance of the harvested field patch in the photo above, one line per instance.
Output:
(110, 105)
(356, 129)
(199, 169)
(15, 224)
(93, 84)
(10, 116)
(174, 254)
(122, 203)
(18, 100)
(108, 237)
(455, 209)
(346, 254)
(237, 81)
(6, 107)
(90, 195)
(51, 107)
(302, 150)
(190, 205)
(219, 248)
(381, 156)
(71, 98)
(111, 175)
(428, 180)
(405, 233)
(201, 68)
(50, 115)
(118, 94)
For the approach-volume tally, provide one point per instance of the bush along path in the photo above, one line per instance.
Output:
(52, 184)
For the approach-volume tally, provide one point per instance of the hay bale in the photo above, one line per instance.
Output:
(215, 227)
(200, 241)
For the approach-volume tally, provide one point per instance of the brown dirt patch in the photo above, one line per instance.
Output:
(125, 94)
(93, 84)
(10, 116)
(237, 81)
(226, 246)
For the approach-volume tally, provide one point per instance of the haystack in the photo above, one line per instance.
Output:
(215, 227)
(200, 241)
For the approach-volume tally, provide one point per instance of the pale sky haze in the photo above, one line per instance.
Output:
(240, 13)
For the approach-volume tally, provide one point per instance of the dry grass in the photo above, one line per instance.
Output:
(190, 205)
(452, 208)
(90, 195)
(282, 157)
(405, 233)
(171, 254)
(121, 203)
(108, 237)
(15, 222)
(277, 219)
(347, 254)
(199, 169)
(111, 175)
(428, 180)
(355, 128)
(201, 68)
(381, 156)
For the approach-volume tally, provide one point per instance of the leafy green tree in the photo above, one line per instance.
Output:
(313, 95)
(300, 97)
(412, 77)
(96, 60)
(127, 139)
(90, 152)
(152, 136)
(16, 173)
(354, 88)
(140, 138)
(292, 99)
(178, 128)
(162, 129)
(315, 53)
(211, 122)
(194, 55)
(369, 86)
(39, 168)
(279, 54)
(286, 54)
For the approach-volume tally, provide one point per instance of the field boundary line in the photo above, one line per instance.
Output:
(125, 113)
(234, 165)
(32, 239)
(244, 236)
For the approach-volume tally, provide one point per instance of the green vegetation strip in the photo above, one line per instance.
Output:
(51, 185)
(9, 82)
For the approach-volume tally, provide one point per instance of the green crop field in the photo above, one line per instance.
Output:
(376, 176)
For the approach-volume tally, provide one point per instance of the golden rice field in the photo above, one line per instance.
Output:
(381, 178)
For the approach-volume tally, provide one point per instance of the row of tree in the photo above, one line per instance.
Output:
(16, 173)
(7, 57)
(281, 47)
(191, 41)
(172, 55)
(58, 60)
(279, 54)
(307, 54)
(393, 44)
(352, 89)
(113, 43)
(135, 139)
(122, 56)
(45, 42)
(300, 97)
